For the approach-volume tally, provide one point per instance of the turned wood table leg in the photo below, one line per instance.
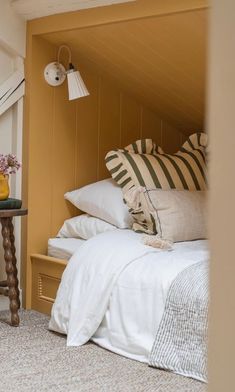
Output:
(11, 270)
(12, 238)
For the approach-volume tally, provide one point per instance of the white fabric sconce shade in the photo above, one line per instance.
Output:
(55, 74)
(76, 86)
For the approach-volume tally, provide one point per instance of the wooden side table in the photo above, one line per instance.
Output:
(6, 217)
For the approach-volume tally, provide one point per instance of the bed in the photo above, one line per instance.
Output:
(136, 282)
(129, 324)
(121, 298)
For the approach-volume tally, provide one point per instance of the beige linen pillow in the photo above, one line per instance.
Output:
(144, 164)
(179, 215)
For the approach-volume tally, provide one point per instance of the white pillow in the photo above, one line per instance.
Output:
(104, 200)
(84, 226)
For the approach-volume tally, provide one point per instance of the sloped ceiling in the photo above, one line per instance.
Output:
(160, 60)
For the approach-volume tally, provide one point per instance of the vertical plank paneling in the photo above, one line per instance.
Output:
(40, 155)
(37, 158)
(171, 138)
(63, 155)
(109, 124)
(87, 133)
(130, 120)
(68, 142)
(151, 126)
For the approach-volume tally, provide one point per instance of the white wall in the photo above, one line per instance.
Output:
(31, 9)
(12, 53)
(12, 29)
(6, 68)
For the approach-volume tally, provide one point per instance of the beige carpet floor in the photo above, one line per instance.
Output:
(35, 359)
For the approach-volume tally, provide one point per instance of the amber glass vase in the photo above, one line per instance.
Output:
(4, 186)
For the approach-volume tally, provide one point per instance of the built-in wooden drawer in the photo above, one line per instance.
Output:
(46, 276)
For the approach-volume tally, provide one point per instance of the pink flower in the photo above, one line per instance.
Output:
(9, 164)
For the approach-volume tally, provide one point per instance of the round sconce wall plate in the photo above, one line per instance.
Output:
(54, 74)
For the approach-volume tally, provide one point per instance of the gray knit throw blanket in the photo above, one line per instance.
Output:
(181, 341)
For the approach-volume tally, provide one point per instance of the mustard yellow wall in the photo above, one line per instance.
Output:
(159, 60)
(68, 140)
(65, 142)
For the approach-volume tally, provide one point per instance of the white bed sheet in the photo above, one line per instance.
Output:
(128, 297)
(137, 303)
(63, 248)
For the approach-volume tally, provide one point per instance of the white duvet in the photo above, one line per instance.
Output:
(114, 288)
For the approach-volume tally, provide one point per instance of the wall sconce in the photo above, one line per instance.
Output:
(55, 74)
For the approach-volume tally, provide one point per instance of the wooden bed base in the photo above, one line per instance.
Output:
(46, 276)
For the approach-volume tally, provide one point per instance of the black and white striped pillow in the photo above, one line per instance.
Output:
(144, 164)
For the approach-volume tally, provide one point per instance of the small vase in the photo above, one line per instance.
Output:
(4, 186)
